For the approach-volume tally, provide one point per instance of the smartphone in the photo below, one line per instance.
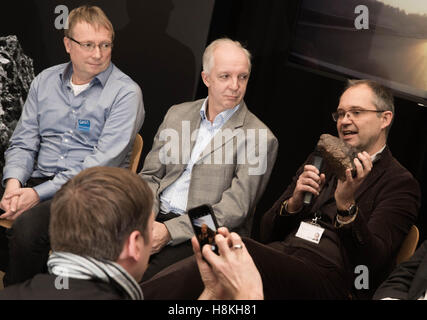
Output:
(204, 225)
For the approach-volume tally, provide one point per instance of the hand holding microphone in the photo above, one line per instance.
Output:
(309, 183)
(317, 163)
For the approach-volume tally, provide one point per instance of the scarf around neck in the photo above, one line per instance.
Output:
(73, 266)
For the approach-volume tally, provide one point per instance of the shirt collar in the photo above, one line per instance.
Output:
(101, 77)
(377, 155)
(220, 118)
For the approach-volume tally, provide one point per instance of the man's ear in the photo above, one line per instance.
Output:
(387, 117)
(133, 246)
(205, 78)
(67, 44)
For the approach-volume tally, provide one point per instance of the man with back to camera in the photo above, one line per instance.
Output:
(362, 220)
(219, 127)
(107, 205)
(80, 114)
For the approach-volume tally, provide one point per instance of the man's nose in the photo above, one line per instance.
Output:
(234, 84)
(97, 52)
(347, 118)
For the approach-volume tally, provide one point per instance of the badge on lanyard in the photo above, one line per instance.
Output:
(83, 125)
(310, 231)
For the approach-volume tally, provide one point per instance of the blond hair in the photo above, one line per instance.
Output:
(92, 15)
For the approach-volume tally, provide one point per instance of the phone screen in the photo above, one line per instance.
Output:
(204, 225)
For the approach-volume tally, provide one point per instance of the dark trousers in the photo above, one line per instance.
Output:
(25, 247)
(29, 244)
(169, 254)
(286, 274)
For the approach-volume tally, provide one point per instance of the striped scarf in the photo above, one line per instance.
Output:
(73, 266)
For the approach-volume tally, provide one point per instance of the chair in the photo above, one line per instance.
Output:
(6, 223)
(136, 153)
(408, 246)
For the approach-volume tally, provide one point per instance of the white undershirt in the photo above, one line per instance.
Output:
(375, 155)
(78, 88)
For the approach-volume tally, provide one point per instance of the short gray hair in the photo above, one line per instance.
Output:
(208, 54)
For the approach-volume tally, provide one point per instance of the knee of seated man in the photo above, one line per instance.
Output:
(31, 224)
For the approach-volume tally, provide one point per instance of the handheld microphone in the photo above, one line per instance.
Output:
(317, 162)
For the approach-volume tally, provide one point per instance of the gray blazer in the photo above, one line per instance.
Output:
(232, 189)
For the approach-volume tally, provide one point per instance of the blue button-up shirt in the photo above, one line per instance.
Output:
(60, 134)
(174, 197)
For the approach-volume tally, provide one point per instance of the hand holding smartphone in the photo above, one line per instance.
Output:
(204, 225)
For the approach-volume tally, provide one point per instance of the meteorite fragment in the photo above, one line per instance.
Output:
(337, 155)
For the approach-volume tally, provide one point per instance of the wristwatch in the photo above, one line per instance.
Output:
(349, 212)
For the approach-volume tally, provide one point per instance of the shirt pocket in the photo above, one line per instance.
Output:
(90, 122)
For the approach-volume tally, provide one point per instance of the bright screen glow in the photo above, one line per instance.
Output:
(331, 36)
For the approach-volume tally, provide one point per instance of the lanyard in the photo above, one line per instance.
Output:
(317, 216)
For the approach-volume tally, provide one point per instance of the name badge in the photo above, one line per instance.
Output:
(83, 125)
(310, 232)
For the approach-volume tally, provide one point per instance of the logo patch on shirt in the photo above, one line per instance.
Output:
(83, 125)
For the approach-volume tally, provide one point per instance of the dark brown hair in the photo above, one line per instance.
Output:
(94, 212)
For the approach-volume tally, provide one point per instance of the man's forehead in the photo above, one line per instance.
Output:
(356, 97)
(229, 54)
(235, 70)
(231, 65)
(84, 28)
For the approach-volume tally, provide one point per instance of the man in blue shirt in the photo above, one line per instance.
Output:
(81, 114)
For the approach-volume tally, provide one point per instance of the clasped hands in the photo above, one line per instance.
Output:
(311, 180)
(17, 200)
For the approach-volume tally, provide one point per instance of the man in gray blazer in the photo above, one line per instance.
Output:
(212, 151)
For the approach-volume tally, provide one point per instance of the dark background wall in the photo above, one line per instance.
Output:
(160, 43)
(296, 104)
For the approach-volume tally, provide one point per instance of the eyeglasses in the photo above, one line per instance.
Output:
(353, 113)
(90, 46)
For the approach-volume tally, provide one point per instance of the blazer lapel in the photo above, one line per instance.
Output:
(195, 121)
(379, 167)
(187, 130)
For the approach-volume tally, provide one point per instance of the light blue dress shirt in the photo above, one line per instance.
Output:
(60, 134)
(174, 197)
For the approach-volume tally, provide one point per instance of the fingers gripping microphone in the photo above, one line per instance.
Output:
(317, 162)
